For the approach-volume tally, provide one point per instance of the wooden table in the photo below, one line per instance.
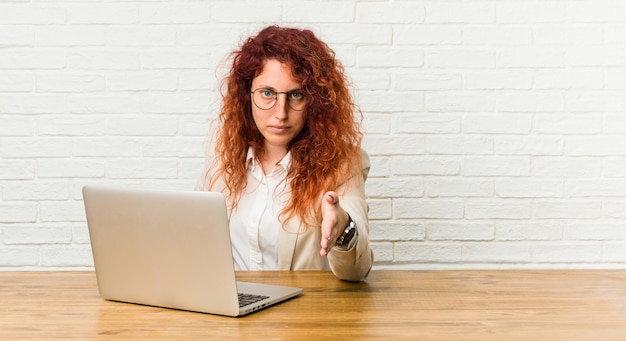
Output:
(390, 305)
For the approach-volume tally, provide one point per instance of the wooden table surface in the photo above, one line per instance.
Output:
(391, 305)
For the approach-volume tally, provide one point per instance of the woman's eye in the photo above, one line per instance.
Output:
(267, 93)
(297, 95)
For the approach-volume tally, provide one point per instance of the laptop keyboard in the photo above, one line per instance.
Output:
(245, 299)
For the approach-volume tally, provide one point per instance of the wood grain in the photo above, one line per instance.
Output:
(425, 305)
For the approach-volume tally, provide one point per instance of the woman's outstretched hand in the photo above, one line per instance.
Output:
(334, 221)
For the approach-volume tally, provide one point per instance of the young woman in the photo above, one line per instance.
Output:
(287, 157)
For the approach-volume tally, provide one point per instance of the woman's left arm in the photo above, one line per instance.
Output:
(355, 262)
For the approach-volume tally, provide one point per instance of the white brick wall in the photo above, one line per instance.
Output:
(495, 128)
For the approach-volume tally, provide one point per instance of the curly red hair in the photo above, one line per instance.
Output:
(325, 153)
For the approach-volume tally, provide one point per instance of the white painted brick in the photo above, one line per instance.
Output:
(380, 167)
(145, 125)
(411, 123)
(80, 233)
(383, 252)
(614, 209)
(566, 167)
(16, 256)
(461, 231)
(423, 80)
(33, 104)
(527, 101)
(116, 14)
(459, 102)
(614, 252)
(503, 252)
(141, 169)
(26, 234)
(614, 167)
(16, 36)
(16, 169)
(595, 12)
(104, 59)
(460, 13)
(386, 13)
(458, 187)
(427, 34)
(529, 145)
(387, 188)
(571, 79)
(419, 165)
(497, 209)
(16, 126)
(73, 35)
(169, 147)
(377, 123)
(529, 188)
(106, 147)
(563, 34)
(18, 212)
(38, 59)
(310, 12)
(615, 80)
(459, 144)
(567, 253)
(379, 208)
(567, 209)
(174, 13)
(177, 103)
(61, 211)
(596, 146)
(574, 124)
(62, 168)
(103, 104)
(615, 33)
(613, 55)
(387, 56)
(133, 36)
(595, 231)
(460, 58)
(35, 147)
(594, 102)
(387, 145)
(16, 82)
(530, 12)
(149, 80)
(497, 35)
(497, 124)
(397, 231)
(499, 79)
(428, 208)
(75, 256)
(35, 191)
(16, 14)
(365, 80)
(496, 166)
(530, 57)
(357, 34)
(520, 230)
(70, 83)
(596, 188)
(427, 252)
(173, 58)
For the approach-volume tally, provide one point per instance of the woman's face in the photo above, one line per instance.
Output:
(279, 124)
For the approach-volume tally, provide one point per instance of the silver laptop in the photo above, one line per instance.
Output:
(169, 249)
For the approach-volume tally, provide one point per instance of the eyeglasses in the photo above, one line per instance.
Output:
(265, 99)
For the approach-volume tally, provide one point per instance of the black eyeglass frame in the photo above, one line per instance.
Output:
(276, 93)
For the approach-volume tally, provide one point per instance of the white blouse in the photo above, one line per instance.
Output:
(254, 224)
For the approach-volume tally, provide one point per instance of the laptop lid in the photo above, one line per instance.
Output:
(169, 249)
